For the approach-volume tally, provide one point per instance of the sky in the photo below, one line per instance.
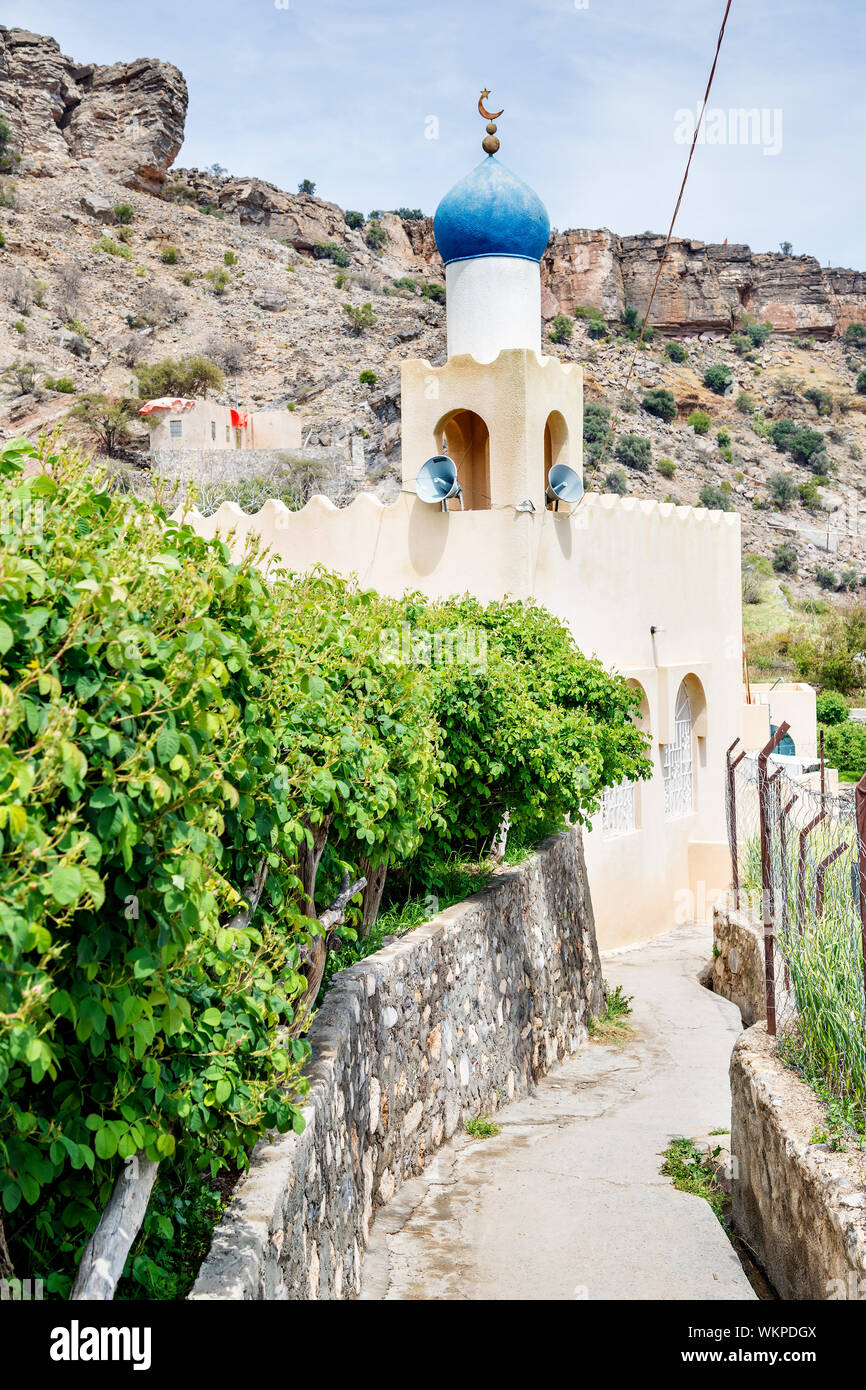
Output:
(375, 101)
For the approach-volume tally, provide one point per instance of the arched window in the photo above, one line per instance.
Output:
(677, 761)
(555, 442)
(467, 442)
(619, 804)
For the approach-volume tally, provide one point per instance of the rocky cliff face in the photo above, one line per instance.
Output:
(127, 118)
(703, 288)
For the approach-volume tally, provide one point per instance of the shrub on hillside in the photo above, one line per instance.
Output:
(360, 317)
(561, 329)
(667, 468)
(826, 578)
(354, 219)
(718, 378)
(331, 251)
(675, 352)
(184, 376)
(715, 499)
(785, 559)
(860, 384)
(375, 236)
(596, 423)
(660, 403)
(856, 333)
(700, 421)
(123, 214)
(616, 482)
(783, 489)
(168, 255)
(845, 748)
(635, 452)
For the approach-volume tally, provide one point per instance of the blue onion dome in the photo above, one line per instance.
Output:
(491, 212)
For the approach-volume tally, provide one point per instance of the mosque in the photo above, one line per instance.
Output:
(653, 589)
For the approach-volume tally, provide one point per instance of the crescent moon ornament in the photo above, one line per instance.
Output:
(482, 111)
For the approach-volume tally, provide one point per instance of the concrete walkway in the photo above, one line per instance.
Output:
(567, 1202)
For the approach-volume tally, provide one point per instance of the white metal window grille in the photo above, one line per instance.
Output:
(677, 761)
(175, 428)
(617, 810)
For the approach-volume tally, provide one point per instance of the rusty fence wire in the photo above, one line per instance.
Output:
(798, 859)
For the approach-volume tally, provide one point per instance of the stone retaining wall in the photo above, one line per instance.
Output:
(738, 962)
(800, 1207)
(454, 1019)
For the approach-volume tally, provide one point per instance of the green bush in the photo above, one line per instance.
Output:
(723, 439)
(360, 317)
(675, 352)
(826, 578)
(700, 421)
(123, 214)
(715, 499)
(375, 236)
(616, 482)
(168, 255)
(740, 343)
(809, 495)
(230, 258)
(331, 251)
(860, 385)
(845, 748)
(63, 384)
(831, 708)
(596, 423)
(785, 559)
(781, 432)
(367, 377)
(185, 376)
(635, 452)
(718, 378)
(831, 657)
(856, 333)
(219, 278)
(821, 400)
(745, 403)
(355, 220)
(783, 489)
(560, 329)
(190, 759)
(432, 289)
(9, 157)
(660, 403)
(112, 248)
(667, 468)
(807, 447)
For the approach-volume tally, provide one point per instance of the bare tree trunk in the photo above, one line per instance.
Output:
(500, 840)
(105, 1254)
(253, 894)
(6, 1270)
(309, 859)
(372, 899)
(313, 967)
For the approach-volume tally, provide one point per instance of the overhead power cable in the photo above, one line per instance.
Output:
(664, 255)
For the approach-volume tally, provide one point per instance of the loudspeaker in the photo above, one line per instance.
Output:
(563, 485)
(437, 481)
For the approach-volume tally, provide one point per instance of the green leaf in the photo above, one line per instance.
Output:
(65, 884)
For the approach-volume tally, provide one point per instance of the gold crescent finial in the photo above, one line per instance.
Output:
(488, 115)
(489, 144)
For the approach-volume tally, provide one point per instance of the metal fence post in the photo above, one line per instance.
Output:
(767, 898)
(732, 819)
(821, 874)
(801, 868)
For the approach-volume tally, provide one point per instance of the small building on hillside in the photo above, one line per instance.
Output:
(178, 423)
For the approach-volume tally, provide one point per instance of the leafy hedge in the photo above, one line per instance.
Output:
(191, 762)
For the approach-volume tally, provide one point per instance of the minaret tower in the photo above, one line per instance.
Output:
(503, 412)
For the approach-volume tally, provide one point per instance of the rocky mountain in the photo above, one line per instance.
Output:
(126, 119)
(259, 279)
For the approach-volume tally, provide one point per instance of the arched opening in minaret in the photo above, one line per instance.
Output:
(464, 437)
(555, 443)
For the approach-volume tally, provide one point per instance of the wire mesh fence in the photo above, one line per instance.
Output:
(798, 857)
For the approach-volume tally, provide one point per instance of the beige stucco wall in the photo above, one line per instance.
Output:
(208, 426)
(794, 702)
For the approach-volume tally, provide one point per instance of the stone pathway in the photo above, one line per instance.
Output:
(567, 1202)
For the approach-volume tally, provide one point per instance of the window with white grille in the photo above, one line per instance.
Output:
(618, 810)
(677, 761)
(175, 428)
